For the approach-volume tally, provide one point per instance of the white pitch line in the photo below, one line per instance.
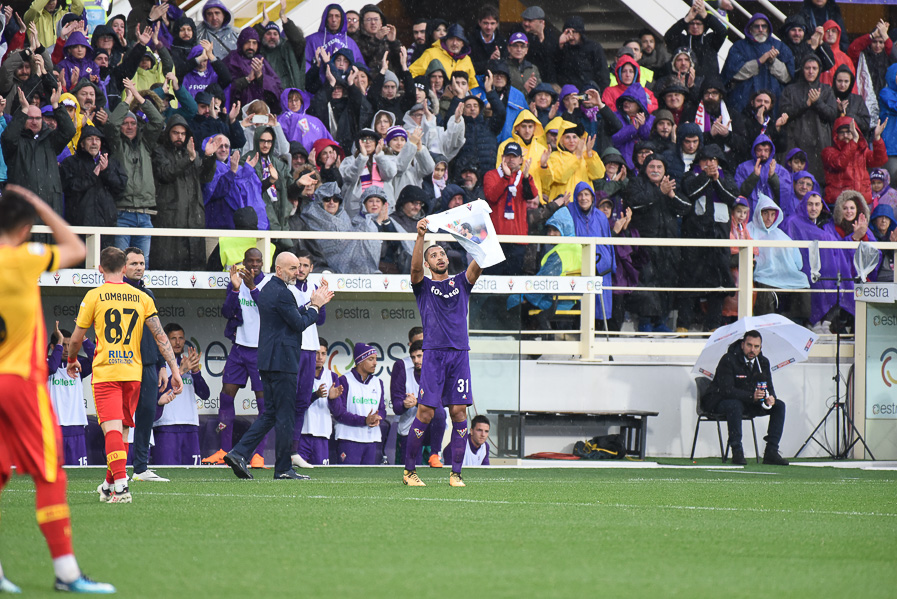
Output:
(625, 506)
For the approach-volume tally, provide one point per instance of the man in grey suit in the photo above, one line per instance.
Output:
(280, 337)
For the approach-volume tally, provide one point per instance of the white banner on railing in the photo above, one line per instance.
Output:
(161, 279)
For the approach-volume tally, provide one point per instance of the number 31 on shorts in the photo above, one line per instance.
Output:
(463, 385)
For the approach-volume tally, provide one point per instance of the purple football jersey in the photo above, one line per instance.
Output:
(443, 311)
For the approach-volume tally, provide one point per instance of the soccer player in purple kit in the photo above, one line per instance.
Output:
(242, 328)
(317, 427)
(445, 375)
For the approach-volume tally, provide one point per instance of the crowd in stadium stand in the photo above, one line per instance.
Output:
(154, 120)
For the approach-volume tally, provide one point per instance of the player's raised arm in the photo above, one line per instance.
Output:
(72, 250)
(417, 256)
(74, 366)
(155, 326)
(473, 272)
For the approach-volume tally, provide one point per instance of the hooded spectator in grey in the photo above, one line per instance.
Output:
(216, 28)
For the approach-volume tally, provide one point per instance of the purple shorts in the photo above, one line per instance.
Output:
(176, 445)
(74, 445)
(315, 450)
(445, 379)
(242, 362)
(356, 453)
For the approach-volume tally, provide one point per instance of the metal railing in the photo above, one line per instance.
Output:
(591, 343)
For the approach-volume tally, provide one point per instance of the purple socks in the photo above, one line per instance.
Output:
(226, 416)
(414, 444)
(458, 444)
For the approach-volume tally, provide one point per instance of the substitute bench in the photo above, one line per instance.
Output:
(511, 437)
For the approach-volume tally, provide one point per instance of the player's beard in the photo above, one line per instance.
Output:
(437, 271)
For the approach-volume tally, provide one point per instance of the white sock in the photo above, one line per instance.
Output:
(106, 486)
(66, 568)
(1, 570)
(121, 484)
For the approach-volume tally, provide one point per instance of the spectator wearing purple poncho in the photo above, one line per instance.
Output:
(331, 36)
(228, 185)
(296, 123)
(78, 55)
(589, 221)
(206, 70)
(254, 79)
(804, 226)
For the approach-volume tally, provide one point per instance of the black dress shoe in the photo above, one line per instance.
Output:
(774, 459)
(738, 457)
(238, 464)
(290, 475)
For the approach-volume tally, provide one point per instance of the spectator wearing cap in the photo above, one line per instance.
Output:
(543, 41)
(177, 165)
(46, 14)
(453, 51)
(526, 133)
(704, 34)
(216, 28)
(486, 41)
(253, 76)
(332, 35)
(367, 165)
(574, 162)
(543, 102)
(413, 159)
(507, 189)
(479, 132)
(579, 59)
(757, 62)
(676, 98)
(91, 182)
(327, 155)
(297, 124)
(342, 108)
(209, 121)
(376, 37)
(284, 50)
(525, 75)
(654, 52)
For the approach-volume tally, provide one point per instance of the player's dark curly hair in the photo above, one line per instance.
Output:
(15, 212)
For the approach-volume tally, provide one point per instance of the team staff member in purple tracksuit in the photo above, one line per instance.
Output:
(445, 375)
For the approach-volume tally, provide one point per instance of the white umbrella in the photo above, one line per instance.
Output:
(784, 342)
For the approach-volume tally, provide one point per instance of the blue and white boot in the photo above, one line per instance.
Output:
(85, 585)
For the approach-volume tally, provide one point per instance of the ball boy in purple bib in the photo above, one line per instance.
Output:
(445, 375)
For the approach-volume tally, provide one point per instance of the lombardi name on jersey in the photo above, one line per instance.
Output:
(452, 293)
(366, 400)
(120, 297)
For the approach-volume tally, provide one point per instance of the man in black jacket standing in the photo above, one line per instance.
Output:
(281, 323)
(580, 60)
(743, 386)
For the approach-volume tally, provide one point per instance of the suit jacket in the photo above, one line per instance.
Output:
(281, 323)
(734, 379)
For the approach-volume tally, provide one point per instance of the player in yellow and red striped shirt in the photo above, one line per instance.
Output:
(30, 438)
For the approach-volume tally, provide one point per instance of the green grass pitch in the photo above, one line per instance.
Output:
(358, 532)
